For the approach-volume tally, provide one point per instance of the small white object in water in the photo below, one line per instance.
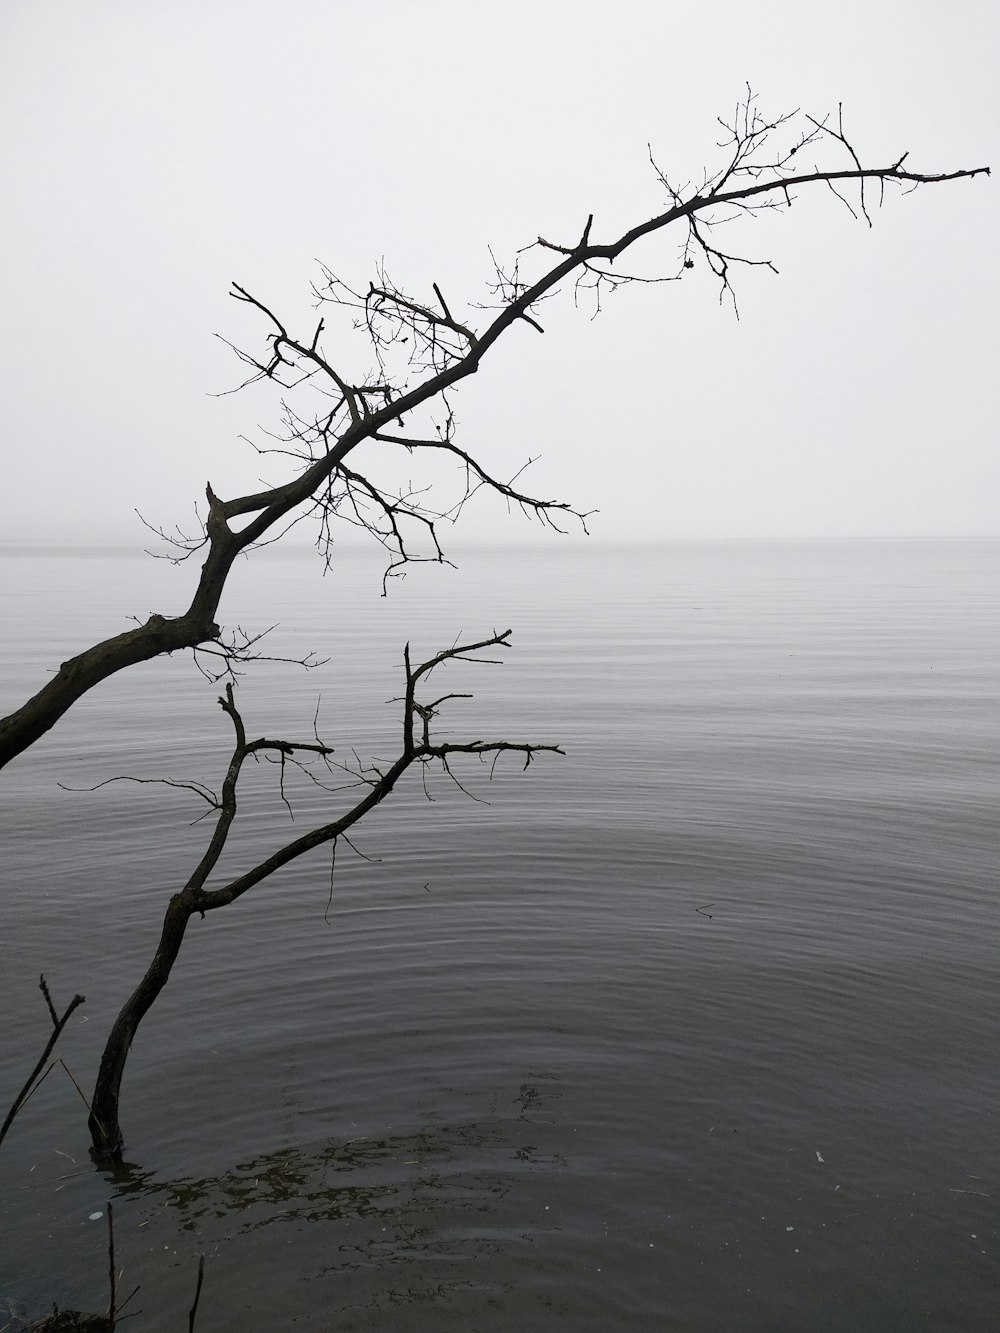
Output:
(94, 1217)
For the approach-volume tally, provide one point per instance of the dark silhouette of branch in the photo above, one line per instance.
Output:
(112, 1278)
(422, 349)
(198, 896)
(197, 1293)
(57, 1026)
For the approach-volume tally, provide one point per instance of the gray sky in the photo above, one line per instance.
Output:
(153, 152)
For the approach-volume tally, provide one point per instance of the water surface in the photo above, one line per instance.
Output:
(695, 1028)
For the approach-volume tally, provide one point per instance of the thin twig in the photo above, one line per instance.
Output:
(333, 862)
(197, 1293)
(112, 1301)
(59, 1024)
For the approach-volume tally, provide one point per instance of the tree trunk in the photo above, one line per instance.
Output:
(105, 1130)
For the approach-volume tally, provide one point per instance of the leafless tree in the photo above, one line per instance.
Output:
(414, 352)
(371, 385)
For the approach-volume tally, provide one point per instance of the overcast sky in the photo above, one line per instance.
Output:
(153, 152)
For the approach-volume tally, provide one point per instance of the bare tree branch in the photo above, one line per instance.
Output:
(57, 1026)
(198, 896)
(420, 350)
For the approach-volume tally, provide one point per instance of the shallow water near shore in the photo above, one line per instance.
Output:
(694, 1028)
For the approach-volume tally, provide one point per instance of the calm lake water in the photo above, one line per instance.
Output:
(693, 1029)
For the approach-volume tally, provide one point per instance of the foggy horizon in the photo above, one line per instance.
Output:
(160, 154)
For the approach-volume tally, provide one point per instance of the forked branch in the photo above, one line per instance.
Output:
(199, 896)
(58, 1023)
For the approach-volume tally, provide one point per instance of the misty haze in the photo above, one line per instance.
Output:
(528, 845)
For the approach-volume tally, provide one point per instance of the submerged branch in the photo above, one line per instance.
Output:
(57, 1026)
(198, 897)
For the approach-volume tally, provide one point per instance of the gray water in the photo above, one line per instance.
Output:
(695, 1028)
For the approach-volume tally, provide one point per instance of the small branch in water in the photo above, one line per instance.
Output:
(57, 1026)
(112, 1299)
(197, 1293)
